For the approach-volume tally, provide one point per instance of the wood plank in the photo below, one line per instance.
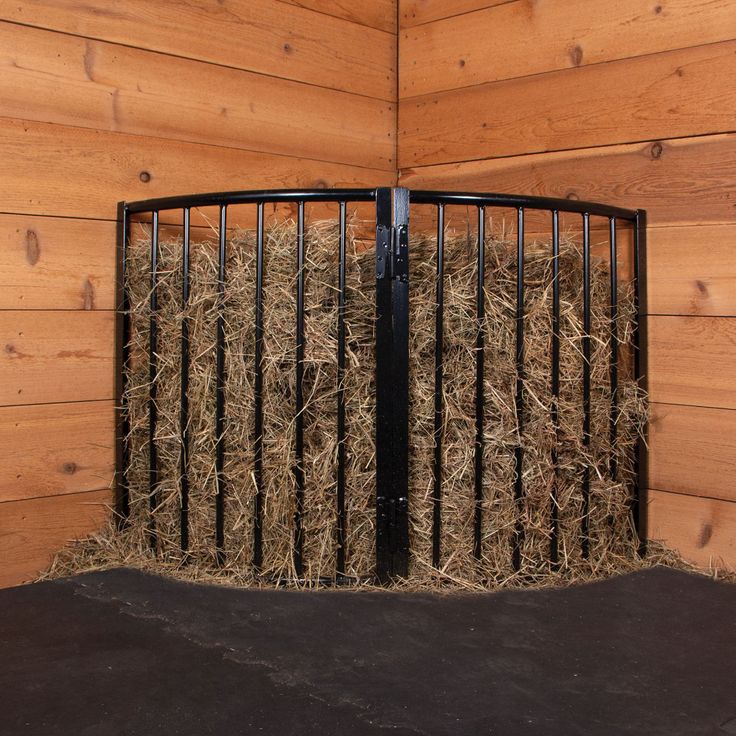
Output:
(84, 173)
(52, 77)
(691, 361)
(414, 12)
(264, 36)
(703, 530)
(56, 449)
(535, 36)
(689, 180)
(33, 530)
(692, 270)
(675, 94)
(55, 356)
(692, 450)
(55, 263)
(379, 14)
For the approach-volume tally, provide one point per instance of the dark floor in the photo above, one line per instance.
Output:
(122, 652)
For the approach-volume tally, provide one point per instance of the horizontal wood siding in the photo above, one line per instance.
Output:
(100, 104)
(621, 103)
(415, 12)
(692, 270)
(264, 36)
(700, 528)
(525, 37)
(56, 263)
(693, 450)
(86, 172)
(31, 531)
(379, 14)
(683, 93)
(691, 360)
(53, 78)
(55, 356)
(625, 103)
(681, 181)
(51, 450)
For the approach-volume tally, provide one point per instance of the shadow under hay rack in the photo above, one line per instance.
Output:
(393, 274)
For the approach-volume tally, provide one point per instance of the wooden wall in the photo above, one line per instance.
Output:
(147, 99)
(632, 103)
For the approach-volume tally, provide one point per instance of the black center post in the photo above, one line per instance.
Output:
(392, 383)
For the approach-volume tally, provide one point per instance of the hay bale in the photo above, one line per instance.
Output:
(612, 536)
(612, 545)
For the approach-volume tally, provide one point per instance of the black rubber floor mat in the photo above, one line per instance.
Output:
(123, 652)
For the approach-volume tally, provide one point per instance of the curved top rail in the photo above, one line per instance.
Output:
(250, 197)
(516, 200)
(477, 199)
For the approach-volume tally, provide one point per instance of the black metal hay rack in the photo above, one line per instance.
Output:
(392, 207)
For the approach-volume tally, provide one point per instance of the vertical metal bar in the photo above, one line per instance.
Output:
(613, 422)
(220, 392)
(639, 501)
(392, 383)
(153, 387)
(479, 387)
(585, 524)
(341, 449)
(122, 366)
(184, 400)
(384, 388)
(438, 395)
(519, 399)
(400, 361)
(258, 398)
(299, 408)
(555, 388)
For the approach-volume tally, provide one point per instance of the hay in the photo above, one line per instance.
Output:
(320, 378)
(612, 540)
(612, 537)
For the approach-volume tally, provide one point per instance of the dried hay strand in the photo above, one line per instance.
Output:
(612, 542)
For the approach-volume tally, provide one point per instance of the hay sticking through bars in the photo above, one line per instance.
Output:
(278, 361)
(611, 537)
(612, 542)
